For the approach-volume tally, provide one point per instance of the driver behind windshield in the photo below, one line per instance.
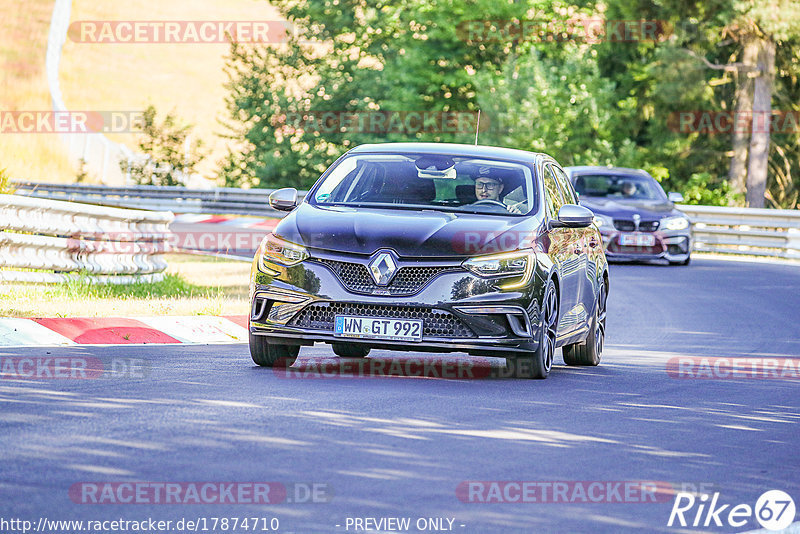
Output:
(628, 189)
(488, 188)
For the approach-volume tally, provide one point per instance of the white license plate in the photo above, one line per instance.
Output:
(378, 328)
(638, 240)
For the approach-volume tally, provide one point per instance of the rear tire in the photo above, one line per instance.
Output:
(537, 364)
(590, 352)
(351, 350)
(267, 355)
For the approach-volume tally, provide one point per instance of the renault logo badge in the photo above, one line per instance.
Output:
(382, 268)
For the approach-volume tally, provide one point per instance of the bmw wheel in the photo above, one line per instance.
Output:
(684, 262)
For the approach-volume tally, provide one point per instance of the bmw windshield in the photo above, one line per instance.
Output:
(439, 182)
(619, 187)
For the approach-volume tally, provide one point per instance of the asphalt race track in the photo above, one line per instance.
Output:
(402, 446)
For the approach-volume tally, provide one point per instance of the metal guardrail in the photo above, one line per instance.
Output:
(51, 241)
(223, 200)
(737, 231)
(745, 231)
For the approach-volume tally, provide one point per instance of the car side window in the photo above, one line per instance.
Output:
(565, 184)
(554, 200)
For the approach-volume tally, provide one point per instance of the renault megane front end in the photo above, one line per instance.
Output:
(433, 248)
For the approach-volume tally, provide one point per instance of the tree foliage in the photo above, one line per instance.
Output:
(584, 102)
(168, 158)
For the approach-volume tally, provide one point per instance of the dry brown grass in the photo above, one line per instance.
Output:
(186, 79)
(23, 86)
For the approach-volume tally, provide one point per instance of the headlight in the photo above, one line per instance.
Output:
(276, 250)
(602, 221)
(517, 263)
(675, 223)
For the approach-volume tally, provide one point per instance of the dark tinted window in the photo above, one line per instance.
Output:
(442, 182)
(621, 186)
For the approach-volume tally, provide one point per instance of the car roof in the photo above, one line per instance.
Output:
(589, 169)
(450, 149)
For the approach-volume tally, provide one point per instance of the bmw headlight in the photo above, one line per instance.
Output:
(274, 249)
(601, 221)
(675, 223)
(517, 263)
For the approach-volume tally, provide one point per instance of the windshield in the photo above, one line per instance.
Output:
(439, 182)
(619, 186)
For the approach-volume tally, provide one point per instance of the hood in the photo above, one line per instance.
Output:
(411, 234)
(625, 209)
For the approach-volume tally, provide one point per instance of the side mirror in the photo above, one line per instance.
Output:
(675, 197)
(283, 199)
(573, 216)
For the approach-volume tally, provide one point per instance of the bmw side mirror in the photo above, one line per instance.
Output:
(675, 197)
(283, 199)
(573, 216)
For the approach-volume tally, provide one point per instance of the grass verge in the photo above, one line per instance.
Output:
(193, 285)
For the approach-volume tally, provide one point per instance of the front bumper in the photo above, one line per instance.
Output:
(669, 245)
(461, 312)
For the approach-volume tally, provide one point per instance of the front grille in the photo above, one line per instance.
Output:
(629, 226)
(407, 281)
(624, 226)
(682, 247)
(436, 323)
(616, 248)
(648, 226)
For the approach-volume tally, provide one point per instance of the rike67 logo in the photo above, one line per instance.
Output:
(774, 510)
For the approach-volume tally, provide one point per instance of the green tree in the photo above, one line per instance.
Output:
(558, 105)
(167, 158)
(5, 183)
(358, 56)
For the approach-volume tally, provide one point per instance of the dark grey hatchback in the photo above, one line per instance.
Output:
(435, 248)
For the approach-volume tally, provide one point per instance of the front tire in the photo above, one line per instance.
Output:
(537, 364)
(684, 262)
(351, 350)
(266, 354)
(590, 352)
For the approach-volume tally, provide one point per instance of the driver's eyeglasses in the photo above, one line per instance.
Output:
(486, 186)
